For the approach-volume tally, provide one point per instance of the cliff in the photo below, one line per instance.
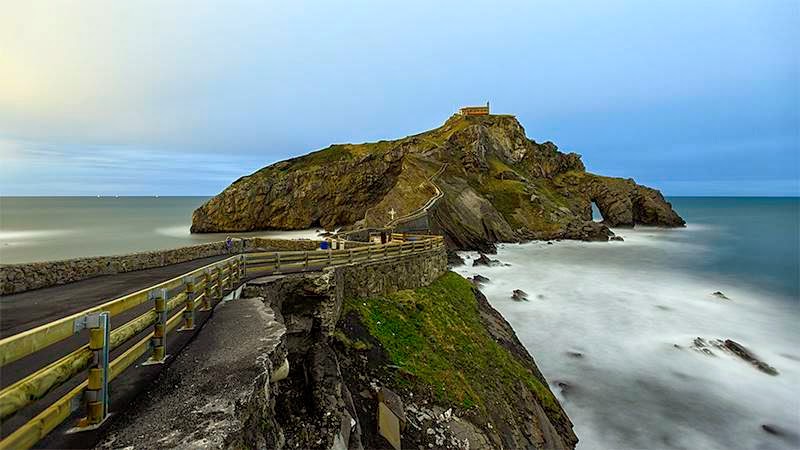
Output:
(449, 366)
(497, 185)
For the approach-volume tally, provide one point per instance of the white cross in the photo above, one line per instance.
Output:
(391, 213)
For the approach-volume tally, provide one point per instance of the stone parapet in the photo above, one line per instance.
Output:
(16, 278)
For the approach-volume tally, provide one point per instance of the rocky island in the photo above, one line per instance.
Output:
(444, 368)
(495, 184)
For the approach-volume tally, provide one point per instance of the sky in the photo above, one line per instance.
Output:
(184, 97)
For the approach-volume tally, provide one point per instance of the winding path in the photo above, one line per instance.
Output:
(416, 214)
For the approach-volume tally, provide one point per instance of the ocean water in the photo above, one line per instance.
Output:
(49, 228)
(611, 326)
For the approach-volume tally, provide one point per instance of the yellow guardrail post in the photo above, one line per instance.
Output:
(188, 314)
(238, 264)
(220, 287)
(206, 305)
(96, 393)
(159, 340)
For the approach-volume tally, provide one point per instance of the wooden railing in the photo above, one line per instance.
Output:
(174, 303)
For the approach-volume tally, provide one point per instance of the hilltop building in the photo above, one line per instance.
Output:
(474, 110)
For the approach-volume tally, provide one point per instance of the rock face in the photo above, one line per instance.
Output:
(380, 365)
(413, 342)
(496, 184)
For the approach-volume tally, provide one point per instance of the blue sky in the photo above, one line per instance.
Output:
(182, 98)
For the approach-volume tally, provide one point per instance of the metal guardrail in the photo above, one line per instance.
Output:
(184, 294)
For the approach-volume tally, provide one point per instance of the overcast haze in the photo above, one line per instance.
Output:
(182, 98)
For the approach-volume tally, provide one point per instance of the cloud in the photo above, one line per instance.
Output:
(253, 82)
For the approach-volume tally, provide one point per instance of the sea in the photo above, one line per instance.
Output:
(612, 326)
(52, 228)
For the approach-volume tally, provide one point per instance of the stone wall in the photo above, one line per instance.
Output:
(313, 301)
(384, 277)
(16, 278)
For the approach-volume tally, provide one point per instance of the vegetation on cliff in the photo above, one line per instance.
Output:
(498, 185)
(446, 345)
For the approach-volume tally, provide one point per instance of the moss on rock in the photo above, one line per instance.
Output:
(437, 338)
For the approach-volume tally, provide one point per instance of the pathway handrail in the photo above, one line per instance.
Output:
(27, 342)
(177, 293)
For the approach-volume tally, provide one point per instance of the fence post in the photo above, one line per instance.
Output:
(188, 314)
(220, 287)
(206, 305)
(350, 256)
(96, 394)
(159, 340)
(330, 257)
(305, 264)
(277, 263)
(243, 267)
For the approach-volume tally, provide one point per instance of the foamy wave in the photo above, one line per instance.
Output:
(30, 238)
(623, 306)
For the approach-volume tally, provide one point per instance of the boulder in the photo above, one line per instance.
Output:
(484, 260)
(719, 294)
(616, 238)
(740, 351)
(478, 280)
(519, 295)
(587, 231)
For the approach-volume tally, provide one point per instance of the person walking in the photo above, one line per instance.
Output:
(229, 244)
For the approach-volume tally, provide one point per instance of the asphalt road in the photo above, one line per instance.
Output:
(20, 312)
(27, 310)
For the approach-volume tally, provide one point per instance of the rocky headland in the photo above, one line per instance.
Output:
(438, 361)
(496, 185)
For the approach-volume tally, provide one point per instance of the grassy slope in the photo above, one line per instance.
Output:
(436, 335)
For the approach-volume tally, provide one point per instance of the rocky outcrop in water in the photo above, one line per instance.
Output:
(497, 186)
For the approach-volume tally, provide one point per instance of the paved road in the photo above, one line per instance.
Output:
(193, 402)
(27, 310)
(20, 312)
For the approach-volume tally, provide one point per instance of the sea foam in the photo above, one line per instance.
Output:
(611, 327)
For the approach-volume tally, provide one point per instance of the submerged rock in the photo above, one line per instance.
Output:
(740, 351)
(787, 435)
(616, 238)
(478, 280)
(728, 345)
(519, 295)
(719, 294)
(484, 260)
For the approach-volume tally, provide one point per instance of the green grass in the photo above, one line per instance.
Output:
(435, 334)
